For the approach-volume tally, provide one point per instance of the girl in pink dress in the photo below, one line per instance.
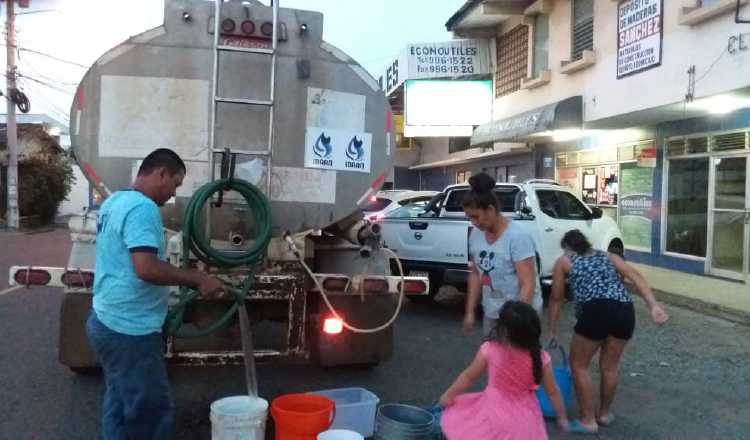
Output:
(508, 408)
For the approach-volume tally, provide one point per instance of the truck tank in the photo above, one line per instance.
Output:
(330, 143)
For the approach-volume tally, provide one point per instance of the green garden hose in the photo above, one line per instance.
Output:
(195, 240)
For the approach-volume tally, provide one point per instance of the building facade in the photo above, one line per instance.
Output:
(641, 106)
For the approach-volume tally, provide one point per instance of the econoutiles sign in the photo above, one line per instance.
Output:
(437, 60)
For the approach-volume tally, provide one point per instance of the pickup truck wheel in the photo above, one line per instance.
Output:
(86, 371)
(616, 247)
(436, 282)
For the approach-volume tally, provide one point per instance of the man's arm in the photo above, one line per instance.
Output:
(151, 269)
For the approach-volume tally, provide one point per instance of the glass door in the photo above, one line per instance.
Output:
(730, 218)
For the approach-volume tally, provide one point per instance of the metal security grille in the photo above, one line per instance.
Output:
(697, 145)
(676, 147)
(512, 61)
(583, 27)
(729, 141)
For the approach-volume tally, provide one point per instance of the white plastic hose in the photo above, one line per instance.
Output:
(337, 316)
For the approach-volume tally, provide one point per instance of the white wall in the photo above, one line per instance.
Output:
(604, 95)
(78, 197)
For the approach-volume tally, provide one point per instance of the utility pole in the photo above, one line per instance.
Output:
(12, 217)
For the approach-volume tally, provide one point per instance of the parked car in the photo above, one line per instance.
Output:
(434, 242)
(386, 201)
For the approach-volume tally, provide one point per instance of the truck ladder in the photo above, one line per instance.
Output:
(218, 48)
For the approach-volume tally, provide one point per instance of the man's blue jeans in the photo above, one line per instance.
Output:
(137, 404)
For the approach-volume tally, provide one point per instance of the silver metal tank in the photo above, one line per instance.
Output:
(155, 90)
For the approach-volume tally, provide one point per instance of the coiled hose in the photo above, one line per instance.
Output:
(195, 240)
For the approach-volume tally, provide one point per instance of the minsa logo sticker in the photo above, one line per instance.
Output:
(355, 152)
(323, 150)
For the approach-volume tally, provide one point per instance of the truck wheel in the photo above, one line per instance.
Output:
(616, 247)
(436, 282)
(86, 371)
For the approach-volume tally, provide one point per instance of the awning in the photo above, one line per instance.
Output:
(509, 150)
(564, 114)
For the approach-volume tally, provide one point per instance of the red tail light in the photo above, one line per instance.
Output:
(375, 285)
(228, 25)
(267, 29)
(335, 284)
(333, 326)
(75, 278)
(32, 277)
(413, 287)
(248, 27)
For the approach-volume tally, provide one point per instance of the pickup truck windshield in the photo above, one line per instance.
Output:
(506, 196)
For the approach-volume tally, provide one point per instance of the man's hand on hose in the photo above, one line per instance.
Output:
(211, 287)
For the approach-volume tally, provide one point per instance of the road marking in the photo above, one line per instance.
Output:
(9, 289)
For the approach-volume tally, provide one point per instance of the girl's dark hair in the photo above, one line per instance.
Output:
(575, 241)
(518, 324)
(482, 194)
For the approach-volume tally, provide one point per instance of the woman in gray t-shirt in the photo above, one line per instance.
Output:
(502, 257)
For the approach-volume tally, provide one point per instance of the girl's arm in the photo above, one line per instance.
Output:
(465, 380)
(627, 271)
(553, 392)
(557, 296)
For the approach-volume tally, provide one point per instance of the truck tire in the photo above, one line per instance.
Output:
(436, 282)
(86, 371)
(616, 247)
(74, 350)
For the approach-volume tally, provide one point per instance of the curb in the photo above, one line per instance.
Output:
(716, 310)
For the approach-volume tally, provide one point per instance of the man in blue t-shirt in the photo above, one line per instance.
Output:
(130, 301)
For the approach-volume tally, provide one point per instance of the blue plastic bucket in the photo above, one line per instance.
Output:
(564, 379)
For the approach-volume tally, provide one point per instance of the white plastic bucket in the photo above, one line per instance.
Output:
(340, 434)
(239, 418)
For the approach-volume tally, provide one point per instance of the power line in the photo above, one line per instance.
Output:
(54, 57)
(24, 49)
(40, 94)
(51, 86)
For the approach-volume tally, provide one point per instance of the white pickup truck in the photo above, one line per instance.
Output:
(435, 242)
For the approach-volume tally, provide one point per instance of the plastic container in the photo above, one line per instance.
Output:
(564, 379)
(340, 434)
(302, 416)
(239, 417)
(355, 409)
(403, 422)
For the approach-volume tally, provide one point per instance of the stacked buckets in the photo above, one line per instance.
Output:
(403, 422)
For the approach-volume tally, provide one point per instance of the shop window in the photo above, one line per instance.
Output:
(730, 183)
(687, 206)
(512, 61)
(583, 28)
(456, 144)
(463, 176)
(540, 62)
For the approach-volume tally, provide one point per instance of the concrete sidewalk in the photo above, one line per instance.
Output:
(715, 296)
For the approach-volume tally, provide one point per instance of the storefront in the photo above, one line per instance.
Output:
(620, 181)
(706, 213)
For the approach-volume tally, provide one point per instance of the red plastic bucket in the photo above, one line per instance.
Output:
(302, 416)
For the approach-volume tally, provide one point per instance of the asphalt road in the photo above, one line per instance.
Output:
(686, 380)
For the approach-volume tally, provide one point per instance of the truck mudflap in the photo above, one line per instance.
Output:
(289, 301)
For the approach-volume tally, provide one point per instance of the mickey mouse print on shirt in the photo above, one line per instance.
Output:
(486, 265)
